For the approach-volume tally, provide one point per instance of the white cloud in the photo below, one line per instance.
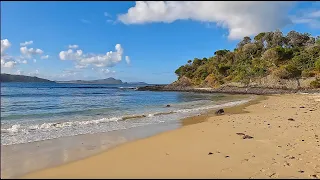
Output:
(5, 44)
(7, 64)
(44, 57)
(106, 71)
(73, 46)
(243, 18)
(19, 72)
(309, 17)
(30, 52)
(99, 60)
(34, 60)
(35, 73)
(78, 66)
(127, 59)
(26, 43)
(6, 60)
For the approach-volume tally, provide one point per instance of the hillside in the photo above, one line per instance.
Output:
(21, 78)
(269, 60)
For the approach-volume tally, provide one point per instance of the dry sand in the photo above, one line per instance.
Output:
(280, 148)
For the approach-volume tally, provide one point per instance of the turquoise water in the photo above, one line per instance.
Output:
(38, 111)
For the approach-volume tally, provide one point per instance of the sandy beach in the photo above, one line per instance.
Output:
(277, 137)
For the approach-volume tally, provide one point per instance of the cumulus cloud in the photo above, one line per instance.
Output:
(243, 18)
(44, 57)
(99, 60)
(30, 52)
(127, 59)
(6, 60)
(73, 46)
(26, 43)
(7, 64)
(5, 44)
(34, 60)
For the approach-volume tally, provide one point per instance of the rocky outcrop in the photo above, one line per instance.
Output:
(228, 89)
(265, 85)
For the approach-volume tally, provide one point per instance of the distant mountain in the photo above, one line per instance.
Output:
(99, 81)
(21, 78)
(135, 83)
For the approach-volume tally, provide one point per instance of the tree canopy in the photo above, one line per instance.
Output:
(295, 55)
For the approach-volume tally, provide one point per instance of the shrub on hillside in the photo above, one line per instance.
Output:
(315, 83)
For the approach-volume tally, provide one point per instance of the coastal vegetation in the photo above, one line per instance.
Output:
(292, 56)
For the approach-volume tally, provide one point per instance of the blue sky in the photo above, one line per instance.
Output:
(157, 37)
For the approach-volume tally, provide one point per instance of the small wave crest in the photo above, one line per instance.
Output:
(16, 128)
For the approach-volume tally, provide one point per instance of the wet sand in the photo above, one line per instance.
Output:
(284, 143)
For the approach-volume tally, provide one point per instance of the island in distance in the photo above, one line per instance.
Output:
(22, 78)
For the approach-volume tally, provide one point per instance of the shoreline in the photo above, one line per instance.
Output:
(160, 155)
(228, 90)
(87, 143)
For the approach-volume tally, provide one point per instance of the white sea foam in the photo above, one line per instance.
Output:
(50, 130)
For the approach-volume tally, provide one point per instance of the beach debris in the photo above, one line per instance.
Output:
(291, 119)
(302, 107)
(227, 156)
(167, 153)
(247, 137)
(240, 134)
(292, 157)
(301, 171)
(302, 140)
(219, 112)
(287, 164)
(272, 175)
(314, 176)
(210, 153)
(168, 105)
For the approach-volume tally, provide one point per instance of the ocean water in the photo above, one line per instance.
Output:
(39, 111)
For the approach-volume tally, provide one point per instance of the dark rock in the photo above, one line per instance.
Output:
(290, 119)
(301, 171)
(227, 156)
(302, 107)
(302, 140)
(220, 111)
(247, 137)
(210, 153)
(168, 105)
